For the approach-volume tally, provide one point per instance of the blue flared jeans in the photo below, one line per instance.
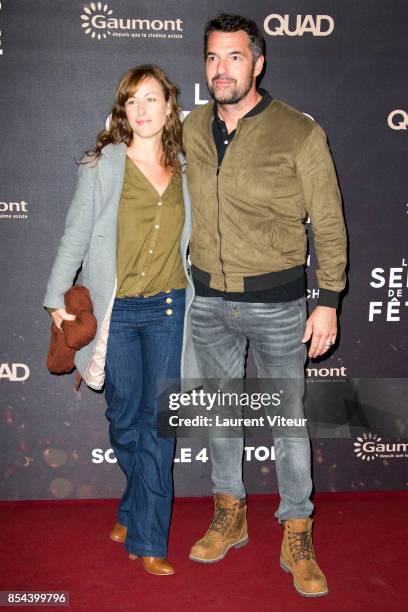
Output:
(144, 346)
(221, 329)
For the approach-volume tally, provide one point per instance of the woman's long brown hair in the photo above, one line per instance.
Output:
(119, 129)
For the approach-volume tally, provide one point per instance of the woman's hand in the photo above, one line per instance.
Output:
(60, 315)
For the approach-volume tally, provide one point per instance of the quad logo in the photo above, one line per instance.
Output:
(299, 25)
(14, 372)
(398, 120)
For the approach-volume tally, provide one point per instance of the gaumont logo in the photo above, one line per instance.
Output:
(398, 120)
(327, 372)
(370, 446)
(14, 210)
(98, 22)
(298, 25)
(94, 19)
(14, 372)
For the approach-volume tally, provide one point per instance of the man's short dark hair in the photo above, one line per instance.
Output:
(225, 22)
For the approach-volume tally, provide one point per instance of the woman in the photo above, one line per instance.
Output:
(129, 229)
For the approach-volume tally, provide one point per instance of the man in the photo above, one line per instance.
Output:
(256, 169)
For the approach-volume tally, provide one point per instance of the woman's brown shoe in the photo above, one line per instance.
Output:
(158, 566)
(118, 533)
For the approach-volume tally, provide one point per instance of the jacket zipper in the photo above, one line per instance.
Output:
(218, 204)
(219, 230)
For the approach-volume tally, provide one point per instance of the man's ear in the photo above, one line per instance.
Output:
(259, 65)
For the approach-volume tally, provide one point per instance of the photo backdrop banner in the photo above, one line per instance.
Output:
(342, 63)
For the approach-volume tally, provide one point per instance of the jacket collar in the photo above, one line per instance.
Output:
(112, 171)
(258, 108)
(115, 153)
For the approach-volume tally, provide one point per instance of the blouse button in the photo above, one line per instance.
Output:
(169, 301)
(157, 226)
(169, 312)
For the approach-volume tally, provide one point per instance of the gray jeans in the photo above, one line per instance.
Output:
(220, 332)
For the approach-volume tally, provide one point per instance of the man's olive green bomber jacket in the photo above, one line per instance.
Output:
(249, 215)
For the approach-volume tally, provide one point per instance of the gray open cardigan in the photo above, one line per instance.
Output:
(90, 239)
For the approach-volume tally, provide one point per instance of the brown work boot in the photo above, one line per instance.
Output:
(298, 558)
(228, 530)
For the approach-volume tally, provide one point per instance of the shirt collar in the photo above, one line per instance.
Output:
(258, 108)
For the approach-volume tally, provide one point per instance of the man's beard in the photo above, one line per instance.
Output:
(232, 96)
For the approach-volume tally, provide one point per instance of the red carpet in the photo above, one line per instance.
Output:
(360, 540)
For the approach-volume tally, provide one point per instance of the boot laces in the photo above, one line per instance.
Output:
(222, 520)
(300, 544)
